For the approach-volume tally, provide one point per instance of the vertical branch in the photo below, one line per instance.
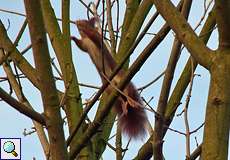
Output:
(117, 27)
(102, 35)
(131, 9)
(17, 57)
(184, 79)
(118, 144)
(110, 26)
(186, 113)
(223, 22)
(162, 103)
(146, 150)
(135, 24)
(62, 47)
(65, 17)
(58, 149)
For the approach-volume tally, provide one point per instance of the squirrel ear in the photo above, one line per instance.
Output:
(79, 43)
(95, 22)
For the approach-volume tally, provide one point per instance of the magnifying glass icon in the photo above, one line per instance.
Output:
(9, 147)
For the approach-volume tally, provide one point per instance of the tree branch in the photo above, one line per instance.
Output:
(22, 99)
(110, 27)
(196, 152)
(62, 47)
(184, 32)
(162, 103)
(21, 107)
(58, 149)
(223, 22)
(134, 28)
(146, 150)
(16, 56)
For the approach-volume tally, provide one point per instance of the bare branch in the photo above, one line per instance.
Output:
(166, 86)
(22, 108)
(110, 26)
(185, 33)
(50, 99)
(223, 22)
(118, 144)
(150, 83)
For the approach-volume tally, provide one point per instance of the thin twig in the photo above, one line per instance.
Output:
(26, 49)
(186, 113)
(126, 148)
(151, 108)
(110, 146)
(197, 144)
(86, 6)
(129, 99)
(150, 83)
(23, 15)
(21, 107)
(88, 85)
(110, 27)
(174, 130)
(206, 8)
(112, 137)
(197, 129)
(56, 68)
(20, 32)
(118, 7)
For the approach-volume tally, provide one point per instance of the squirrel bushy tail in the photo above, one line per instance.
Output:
(132, 118)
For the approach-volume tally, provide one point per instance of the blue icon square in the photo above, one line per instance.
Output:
(10, 148)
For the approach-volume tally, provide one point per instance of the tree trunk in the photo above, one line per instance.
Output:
(216, 131)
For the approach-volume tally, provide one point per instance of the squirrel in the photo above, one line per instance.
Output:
(132, 118)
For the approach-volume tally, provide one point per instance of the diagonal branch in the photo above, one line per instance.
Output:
(134, 27)
(184, 32)
(25, 67)
(22, 108)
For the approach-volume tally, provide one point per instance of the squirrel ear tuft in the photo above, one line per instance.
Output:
(94, 21)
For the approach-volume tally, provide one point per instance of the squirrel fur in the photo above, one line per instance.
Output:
(132, 118)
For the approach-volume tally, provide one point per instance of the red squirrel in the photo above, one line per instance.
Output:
(132, 118)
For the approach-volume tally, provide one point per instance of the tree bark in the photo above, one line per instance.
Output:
(58, 149)
(216, 130)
